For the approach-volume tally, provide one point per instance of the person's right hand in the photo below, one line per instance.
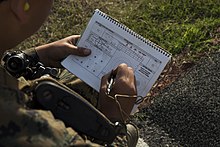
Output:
(125, 84)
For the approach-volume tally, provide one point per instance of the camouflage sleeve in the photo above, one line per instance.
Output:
(23, 127)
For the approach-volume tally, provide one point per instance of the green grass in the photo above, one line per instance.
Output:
(179, 25)
(176, 25)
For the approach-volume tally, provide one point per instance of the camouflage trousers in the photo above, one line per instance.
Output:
(90, 95)
(22, 126)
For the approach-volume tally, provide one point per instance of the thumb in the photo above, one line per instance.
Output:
(83, 51)
(79, 51)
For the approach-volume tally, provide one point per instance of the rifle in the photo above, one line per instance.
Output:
(63, 102)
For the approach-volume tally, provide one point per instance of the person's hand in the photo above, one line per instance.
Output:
(53, 53)
(124, 84)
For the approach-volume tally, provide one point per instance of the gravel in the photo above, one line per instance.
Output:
(187, 113)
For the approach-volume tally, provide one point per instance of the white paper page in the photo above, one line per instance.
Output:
(111, 45)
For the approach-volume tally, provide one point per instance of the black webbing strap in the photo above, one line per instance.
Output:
(75, 111)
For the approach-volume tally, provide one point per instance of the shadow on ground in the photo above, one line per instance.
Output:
(187, 113)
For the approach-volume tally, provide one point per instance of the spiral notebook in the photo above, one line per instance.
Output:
(112, 43)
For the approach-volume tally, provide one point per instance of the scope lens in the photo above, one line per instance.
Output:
(15, 64)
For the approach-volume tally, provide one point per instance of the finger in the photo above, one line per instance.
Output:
(83, 51)
(104, 81)
(121, 70)
(79, 51)
(73, 39)
(125, 74)
(132, 78)
(130, 73)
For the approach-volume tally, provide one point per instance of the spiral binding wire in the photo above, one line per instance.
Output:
(125, 28)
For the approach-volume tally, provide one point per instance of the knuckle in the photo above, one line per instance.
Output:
(122, 65)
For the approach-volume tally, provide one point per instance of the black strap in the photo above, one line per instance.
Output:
(75, 111)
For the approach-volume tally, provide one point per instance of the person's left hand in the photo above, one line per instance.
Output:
(53, 53)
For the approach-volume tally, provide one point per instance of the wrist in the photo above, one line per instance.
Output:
(32, 54)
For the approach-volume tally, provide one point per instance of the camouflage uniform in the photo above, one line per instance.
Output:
(28, 127)
(20, 126)
(90, 95)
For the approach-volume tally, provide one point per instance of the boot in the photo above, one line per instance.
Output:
(132, 135)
